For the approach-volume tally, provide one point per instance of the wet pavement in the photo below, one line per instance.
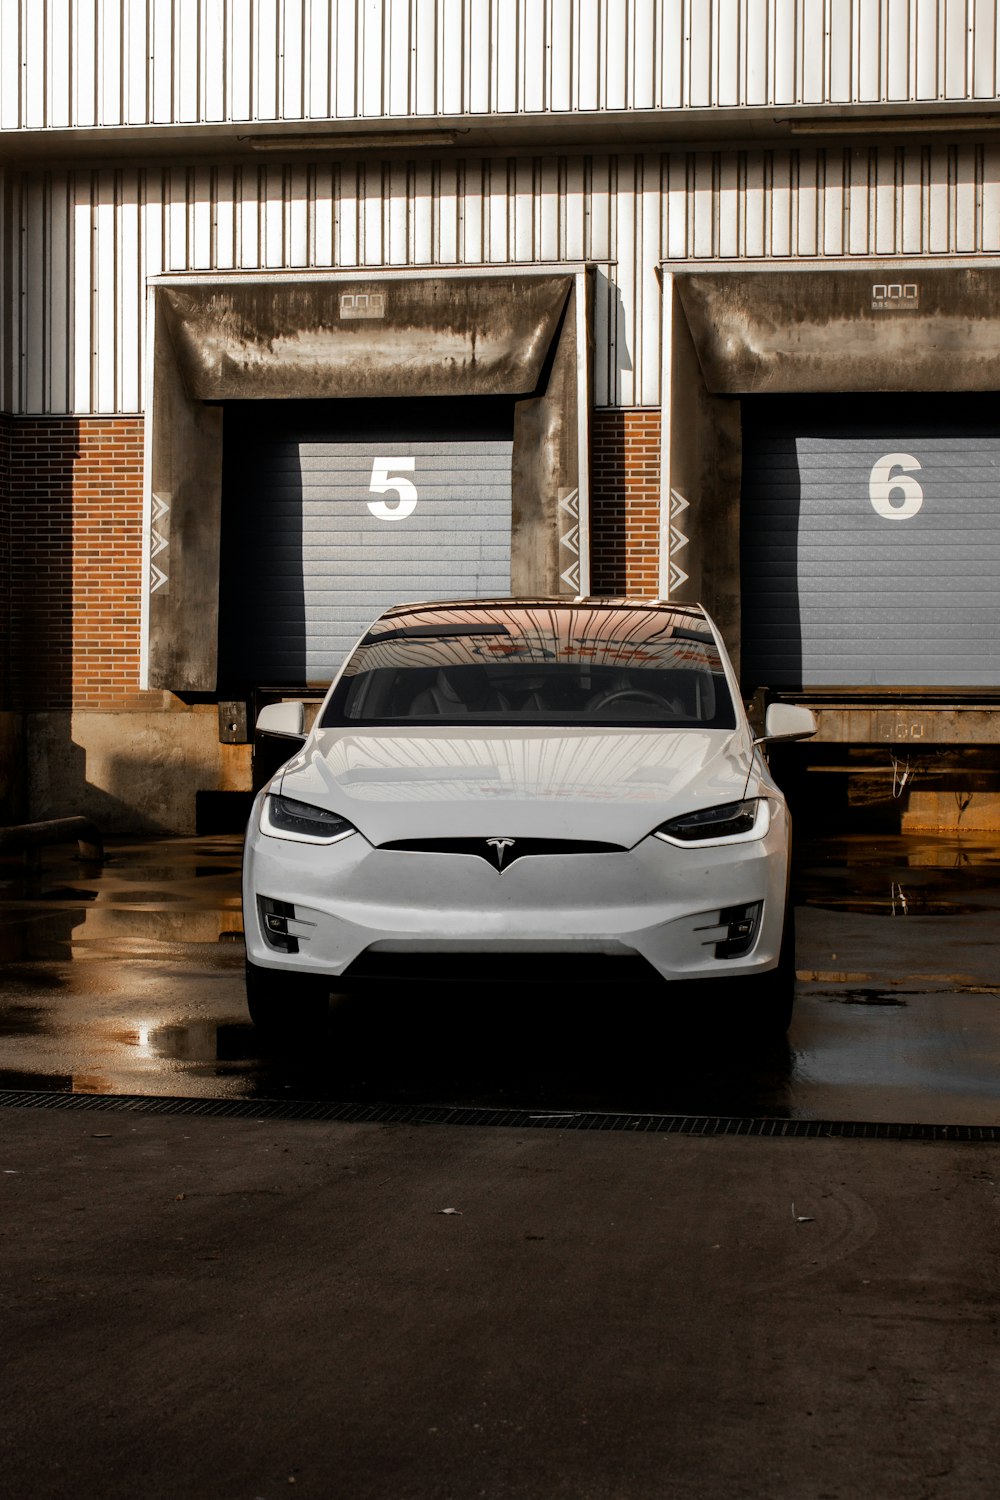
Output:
(127, 978)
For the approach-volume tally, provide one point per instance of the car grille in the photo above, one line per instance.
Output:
(501, 853)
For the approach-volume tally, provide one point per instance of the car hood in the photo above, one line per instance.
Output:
(613, 785)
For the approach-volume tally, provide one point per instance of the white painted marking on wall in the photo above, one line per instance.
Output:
(569, 504)
(159, 510)
(385, 478)
(883, 483)
(677, 541)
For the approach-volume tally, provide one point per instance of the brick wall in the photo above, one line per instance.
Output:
(75, 566)
(625, 490)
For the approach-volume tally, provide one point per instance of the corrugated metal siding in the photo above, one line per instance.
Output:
(89, 240)
(313, 563)
(66, 63)
(871, 543)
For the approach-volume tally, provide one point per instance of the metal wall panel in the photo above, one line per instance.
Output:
(90, 240)
(139, 62)
(321, 542)
(871, 543)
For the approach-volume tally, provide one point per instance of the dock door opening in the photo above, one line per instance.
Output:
(334, 510)
(870, 532)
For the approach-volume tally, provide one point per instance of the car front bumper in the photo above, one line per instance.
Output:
(656, 900)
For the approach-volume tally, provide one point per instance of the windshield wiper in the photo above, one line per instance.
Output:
(681, 633)
(432, 632)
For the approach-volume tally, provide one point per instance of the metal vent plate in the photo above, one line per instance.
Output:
(518, 1119)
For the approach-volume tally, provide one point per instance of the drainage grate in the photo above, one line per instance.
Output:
(517, 1119)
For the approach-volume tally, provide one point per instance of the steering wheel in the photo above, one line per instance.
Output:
(640, 695)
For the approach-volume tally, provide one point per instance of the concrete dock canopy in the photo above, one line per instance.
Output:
(335, 337)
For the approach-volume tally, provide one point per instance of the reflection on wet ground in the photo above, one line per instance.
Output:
(921, 875)
(127, 978)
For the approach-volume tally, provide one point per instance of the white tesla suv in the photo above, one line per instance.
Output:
(520, 783)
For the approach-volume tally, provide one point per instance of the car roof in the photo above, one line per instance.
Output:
(557, 601)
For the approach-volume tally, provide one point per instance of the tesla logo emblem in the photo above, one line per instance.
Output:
(500, 847)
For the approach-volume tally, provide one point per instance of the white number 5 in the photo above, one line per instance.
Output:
(883, 482)
(386, 476)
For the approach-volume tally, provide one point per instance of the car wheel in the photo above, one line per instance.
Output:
(285, 1004)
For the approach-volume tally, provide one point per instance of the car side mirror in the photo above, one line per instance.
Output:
(787, 721)
(287, 719)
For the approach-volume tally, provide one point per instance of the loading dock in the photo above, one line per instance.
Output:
(333, 341)
(854, 412)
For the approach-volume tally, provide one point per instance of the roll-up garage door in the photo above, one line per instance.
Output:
(332, 514)
(870, 535)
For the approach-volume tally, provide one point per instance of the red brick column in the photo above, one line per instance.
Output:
(76, 562)
(624, 500)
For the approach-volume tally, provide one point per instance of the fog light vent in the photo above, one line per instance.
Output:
(274, 919)
(742, 924)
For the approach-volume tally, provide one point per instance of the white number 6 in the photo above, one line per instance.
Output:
(883, 481)
(386, 476)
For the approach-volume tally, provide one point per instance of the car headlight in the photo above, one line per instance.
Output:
(284, 818)
(731, 823)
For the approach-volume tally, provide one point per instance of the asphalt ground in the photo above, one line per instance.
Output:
(219, 1308)
(250, 1307)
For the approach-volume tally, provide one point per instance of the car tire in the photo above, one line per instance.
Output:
(773, 1005)
(282, 1004)
(761, 1006)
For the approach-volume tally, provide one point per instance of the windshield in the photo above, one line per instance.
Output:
(539, 665)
